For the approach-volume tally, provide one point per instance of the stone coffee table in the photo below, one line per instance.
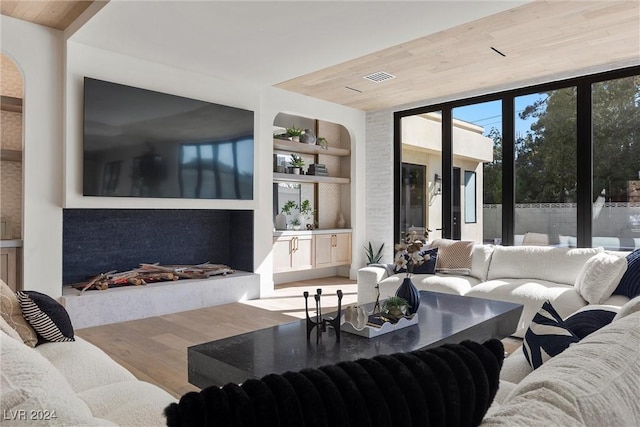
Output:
(443, 319)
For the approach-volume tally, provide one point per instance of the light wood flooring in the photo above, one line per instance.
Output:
(155, 349)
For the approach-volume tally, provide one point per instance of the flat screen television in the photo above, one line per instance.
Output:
(141, 143)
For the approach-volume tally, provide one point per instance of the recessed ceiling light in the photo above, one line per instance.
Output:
(379, 77)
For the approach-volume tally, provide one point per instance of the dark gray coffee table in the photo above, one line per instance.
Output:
(443, 319)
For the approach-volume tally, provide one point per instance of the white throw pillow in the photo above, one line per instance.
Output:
(600, 276)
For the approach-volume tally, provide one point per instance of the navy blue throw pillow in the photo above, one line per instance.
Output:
(629, 285)
(588, 321)
(546, 337)
(427, 267)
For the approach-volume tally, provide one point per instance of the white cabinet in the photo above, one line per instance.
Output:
(9, 267)
(292, 253)
(332, 249)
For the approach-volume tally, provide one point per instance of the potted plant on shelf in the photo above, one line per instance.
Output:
(296, 163)
(322, 142)
(294, 133)
(295, 224)
(306, 213)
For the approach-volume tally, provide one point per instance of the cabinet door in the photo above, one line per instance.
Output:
(302, 253)
(282, 254)
(324, 250)
(342, 249)
(9, 267)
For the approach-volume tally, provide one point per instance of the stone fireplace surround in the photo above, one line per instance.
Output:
(100, 240)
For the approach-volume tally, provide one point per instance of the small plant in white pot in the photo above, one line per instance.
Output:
(306, 213)
(295, 224)
(296, 164)
(294, 133)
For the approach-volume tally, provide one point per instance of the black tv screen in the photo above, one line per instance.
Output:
(141, 143)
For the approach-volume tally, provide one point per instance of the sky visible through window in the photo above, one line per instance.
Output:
(489, 114)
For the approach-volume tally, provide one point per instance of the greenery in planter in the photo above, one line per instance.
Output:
(373, 257)
(294, 131)
(394, 307)
(322, 141)
(296, 161)
(286, 209)
(305, 207)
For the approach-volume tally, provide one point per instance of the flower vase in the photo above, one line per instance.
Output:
(410, 293)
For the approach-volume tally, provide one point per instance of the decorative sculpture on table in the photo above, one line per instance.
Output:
(320, 323)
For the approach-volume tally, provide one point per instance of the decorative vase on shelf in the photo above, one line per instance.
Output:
(308, 137)
(341, 222)
(281, 222)
(409, 292)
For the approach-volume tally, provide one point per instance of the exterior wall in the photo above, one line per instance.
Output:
(38, 52)
(616, 226)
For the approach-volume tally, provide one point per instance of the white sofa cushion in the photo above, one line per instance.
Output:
(531, 293)
(560, 265)
(444, 283)
(600, 276)
(630, 307)
(32, 388)
(480, 261)
(594, 382)
(129, 403)
(83, 364)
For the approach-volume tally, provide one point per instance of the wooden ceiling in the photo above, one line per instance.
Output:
(58, 14)
(538, 42)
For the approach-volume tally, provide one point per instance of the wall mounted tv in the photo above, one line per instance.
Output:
(141, 143)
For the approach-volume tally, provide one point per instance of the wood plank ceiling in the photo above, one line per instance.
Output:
(537, 42)
(58, 14)
(541, 41)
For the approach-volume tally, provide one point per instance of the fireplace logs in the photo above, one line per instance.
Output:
(148, 273)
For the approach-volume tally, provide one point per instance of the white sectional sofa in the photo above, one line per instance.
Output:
(594, 382)
(73, 384)
(527, 275)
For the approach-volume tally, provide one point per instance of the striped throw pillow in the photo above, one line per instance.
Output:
(46, 316)
(546, 337)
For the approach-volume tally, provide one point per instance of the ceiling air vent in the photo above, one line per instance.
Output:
(379, 77)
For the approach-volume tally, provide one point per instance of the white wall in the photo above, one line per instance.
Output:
(38, 52)
(53, 141)
(267, 102)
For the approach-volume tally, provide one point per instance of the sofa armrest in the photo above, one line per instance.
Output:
(368, 279)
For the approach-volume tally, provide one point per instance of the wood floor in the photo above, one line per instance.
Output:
(155, 349)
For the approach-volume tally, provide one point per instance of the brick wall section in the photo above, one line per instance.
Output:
(379, 181)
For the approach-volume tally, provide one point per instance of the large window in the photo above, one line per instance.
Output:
(563, 167)
(545, 168)
(616, 163)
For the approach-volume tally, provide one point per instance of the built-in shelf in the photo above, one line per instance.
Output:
(11, 155)
(289, 177)
(9, 103)
(301, 147)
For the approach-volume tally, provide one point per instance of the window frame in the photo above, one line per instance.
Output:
(583, 154)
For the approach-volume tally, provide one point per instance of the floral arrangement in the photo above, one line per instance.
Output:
(409, 252)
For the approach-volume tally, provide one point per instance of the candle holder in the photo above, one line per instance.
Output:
(320, 324)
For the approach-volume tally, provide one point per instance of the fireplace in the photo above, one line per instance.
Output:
(100, 240)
